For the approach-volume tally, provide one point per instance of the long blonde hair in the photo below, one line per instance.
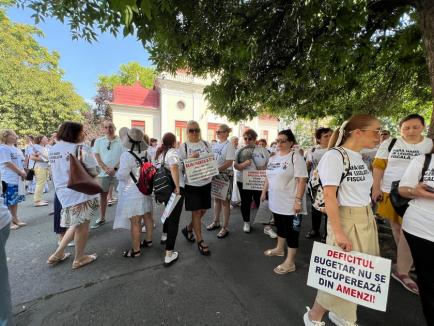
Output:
(357, 121)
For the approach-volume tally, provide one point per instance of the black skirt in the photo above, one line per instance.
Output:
(197, 197)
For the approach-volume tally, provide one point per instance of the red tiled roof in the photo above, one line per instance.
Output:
(136, 95)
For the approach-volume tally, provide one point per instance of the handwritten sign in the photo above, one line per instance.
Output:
(171, 204)
(353, 276)
(254, 179)
(220, 187)
(198, 169)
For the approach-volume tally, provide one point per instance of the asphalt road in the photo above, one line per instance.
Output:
(236, 285)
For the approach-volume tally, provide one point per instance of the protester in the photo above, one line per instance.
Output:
(224, 154)
(198, 193)
(77, 208)
(390, 163)
(28, 163)
(168, 154)
(235, 199)
(152, 150)
(12, 171)
(263, 143)
(40, 157)
(285, 184)
(108, 150)
(351, 223)
(418, 227)
(5, 223)
(250, 157)
(385, 135)
(313, 156)
(133, 206)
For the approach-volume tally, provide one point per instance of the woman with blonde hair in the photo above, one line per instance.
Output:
(197, 193)
(224, 153)
(351, 224)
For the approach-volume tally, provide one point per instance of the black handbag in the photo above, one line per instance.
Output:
(399, 203)
(31, 173)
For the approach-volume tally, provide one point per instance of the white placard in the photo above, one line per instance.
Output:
(254, 179)
(353, 276)
(21, 187)
(220, 188)
(174, 199)
(198, 169)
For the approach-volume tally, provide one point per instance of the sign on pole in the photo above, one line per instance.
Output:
(353, 276)
(198, 169)
(254, 179)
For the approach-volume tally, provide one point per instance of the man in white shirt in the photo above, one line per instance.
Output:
(108, 150)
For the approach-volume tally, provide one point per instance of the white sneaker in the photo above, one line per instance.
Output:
(143, 229)
(270, 232)
(170, 259)
(335, 319)
(308, 322)
(246, 227)
(71, 244)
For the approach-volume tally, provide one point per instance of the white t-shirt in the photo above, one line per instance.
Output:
(399, 158)
(282, 185)
(27, 152)
(314, 155)
(172, 158)
(201, 147)
(5, 216)
(355, 189)
(223, 151)
(13, 155)
(260, 158)
(43, 154)
(418, 218)
(59, 160)
(152, 151)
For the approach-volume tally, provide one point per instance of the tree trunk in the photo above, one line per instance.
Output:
(425, 9)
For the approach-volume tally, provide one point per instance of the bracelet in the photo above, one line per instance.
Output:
(299, 198)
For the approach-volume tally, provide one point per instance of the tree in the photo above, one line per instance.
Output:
(309, 58)
(128, 74)
(102, 99)
(33, 97)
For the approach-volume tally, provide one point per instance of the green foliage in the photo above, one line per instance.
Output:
(128, 74)
(33, 97)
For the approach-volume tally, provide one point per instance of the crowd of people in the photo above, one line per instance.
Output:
(357, 165)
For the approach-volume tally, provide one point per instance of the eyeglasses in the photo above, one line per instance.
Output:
(248, 138)
(109, 144)
(194, 131)
(280, 141)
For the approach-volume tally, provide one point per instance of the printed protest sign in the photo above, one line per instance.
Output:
(197, 169)
(174, 198)
(220, 187)
(353, 276)
(254, 179)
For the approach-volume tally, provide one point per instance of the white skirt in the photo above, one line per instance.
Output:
(131, 203)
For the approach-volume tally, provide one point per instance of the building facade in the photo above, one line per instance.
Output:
(175, 100)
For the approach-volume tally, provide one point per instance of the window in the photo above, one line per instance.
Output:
(181, 131)
(138, 124)
(212, 128)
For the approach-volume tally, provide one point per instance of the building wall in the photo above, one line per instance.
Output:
(124, 115)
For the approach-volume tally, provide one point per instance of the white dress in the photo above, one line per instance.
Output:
(131, 201)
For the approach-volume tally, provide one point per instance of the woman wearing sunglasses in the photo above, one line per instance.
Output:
(224, 153)
(197, 193)
(250, 157)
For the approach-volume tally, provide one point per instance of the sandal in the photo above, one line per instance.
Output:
(282, 270)
(53, 260)
(19, 223)
(204, 250)
(213, 226)
(406, 282)
(273, 252)
(92, 258)
(14, 226)
(188, 234)
(223, 233)
(145, 244)
(130, 253)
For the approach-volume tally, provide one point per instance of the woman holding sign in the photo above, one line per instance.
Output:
(198, 192)
(249, 158)
(285, 183)
(224, 154)
(351, 223)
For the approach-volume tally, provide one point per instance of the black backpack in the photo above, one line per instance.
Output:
(163, 183)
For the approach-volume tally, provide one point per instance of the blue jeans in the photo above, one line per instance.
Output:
(5, 291)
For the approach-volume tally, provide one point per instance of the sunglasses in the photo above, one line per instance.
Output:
(194, 131)
(248, 138)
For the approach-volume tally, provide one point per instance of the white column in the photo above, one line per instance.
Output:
(163, 113)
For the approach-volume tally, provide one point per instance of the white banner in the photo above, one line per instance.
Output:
(254, 179)
(197, 169)
(220, 188)
(353, 276)
(174, 199)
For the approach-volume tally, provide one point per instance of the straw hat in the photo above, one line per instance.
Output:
(132, 139)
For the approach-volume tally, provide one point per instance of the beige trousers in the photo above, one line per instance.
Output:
(359, 225)
(41, 175)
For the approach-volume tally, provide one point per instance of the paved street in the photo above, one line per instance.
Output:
(234, 286)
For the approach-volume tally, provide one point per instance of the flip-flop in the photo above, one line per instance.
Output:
(282, 270)
(76, 265)
(57, 260)
(14, 226)
(273, 253)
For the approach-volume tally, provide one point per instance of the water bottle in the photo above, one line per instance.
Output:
(296, 222)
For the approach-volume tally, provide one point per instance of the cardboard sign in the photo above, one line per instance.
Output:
(254, 179)
(353, 276)
(198, 169)
(220, 187)
(174, 199)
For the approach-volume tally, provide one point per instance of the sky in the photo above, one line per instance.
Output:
(81, 61)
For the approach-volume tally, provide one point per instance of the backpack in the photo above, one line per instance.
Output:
(163, 183)
(146, 174)
(315, 187)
